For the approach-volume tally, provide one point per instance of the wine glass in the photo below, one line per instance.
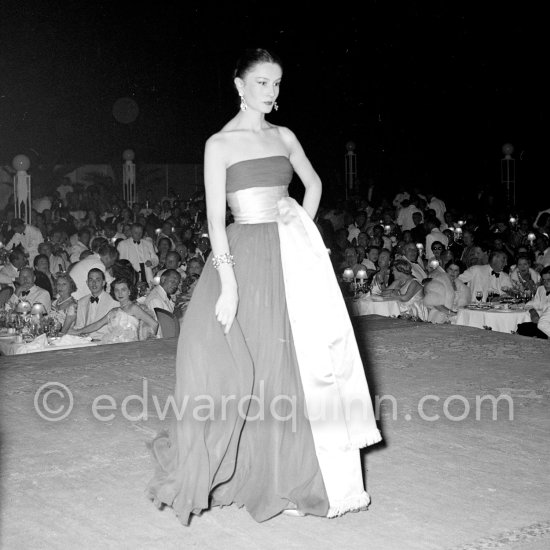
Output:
(479, 296)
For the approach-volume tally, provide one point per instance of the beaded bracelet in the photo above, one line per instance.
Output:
(222, 259)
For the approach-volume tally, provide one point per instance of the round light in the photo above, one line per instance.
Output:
(38, 309)
(125, 110)
(21, 163)
(460, 223)
(348, 274)
(350, 146)
(420, 246)
(156, 280)
(23, 306)
(507, 148)
(361, 274)
(513, 220)
(128, 154)
(531, 236)
(433, 263)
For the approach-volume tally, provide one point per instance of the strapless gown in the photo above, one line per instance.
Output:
(259, 412)
(122, 327)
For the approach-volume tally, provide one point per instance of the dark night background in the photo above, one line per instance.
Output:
(422, 88)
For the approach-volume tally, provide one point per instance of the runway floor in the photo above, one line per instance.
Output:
(444, 477)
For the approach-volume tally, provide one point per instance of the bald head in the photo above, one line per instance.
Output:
(26, 278)
(170, 281)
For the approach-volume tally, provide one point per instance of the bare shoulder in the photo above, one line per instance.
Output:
(287, 135)
(218, 146)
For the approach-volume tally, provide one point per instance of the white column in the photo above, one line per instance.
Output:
(22, 188)
(129, 178)
(350, 166)
(508, 174)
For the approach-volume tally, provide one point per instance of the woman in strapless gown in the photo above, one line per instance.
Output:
(272, 402)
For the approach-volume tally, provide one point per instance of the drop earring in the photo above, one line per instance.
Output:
(243, 105)
(275, 106)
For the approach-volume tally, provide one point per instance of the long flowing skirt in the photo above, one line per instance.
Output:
(243, 437)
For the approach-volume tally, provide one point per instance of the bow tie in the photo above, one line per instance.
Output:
(94, 299)
(137, 242)
(497, 275)
(25, 293)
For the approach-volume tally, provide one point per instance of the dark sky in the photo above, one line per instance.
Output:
(418, 86)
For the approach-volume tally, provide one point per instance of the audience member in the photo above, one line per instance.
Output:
(488, 278)
(29, 292)
(27, 236)
(43, 276)
(95, 304)
(433, 234)
(64, 306)
(102, 259)
(406, 290)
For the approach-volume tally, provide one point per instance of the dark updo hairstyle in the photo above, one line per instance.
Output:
(251, 57)
(131, 286)
(123, 269)
(461, 265)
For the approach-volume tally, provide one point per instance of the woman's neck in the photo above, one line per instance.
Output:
(252, 121)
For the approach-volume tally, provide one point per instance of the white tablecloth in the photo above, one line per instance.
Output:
(497, 319)
(9, 346)
(367, 306)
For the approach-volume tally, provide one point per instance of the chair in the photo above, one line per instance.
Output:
(169, 323)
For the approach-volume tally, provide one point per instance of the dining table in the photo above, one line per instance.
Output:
(501, 317)
(13, 344)
(368, 304)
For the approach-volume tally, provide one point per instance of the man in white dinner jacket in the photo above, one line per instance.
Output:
(28, 236)
(95, 305)
(28, 291)
(488, 277)
(411, 254)
(541, 299)
(161, 295)
(437, 205)
(103, 257)
(140, 253)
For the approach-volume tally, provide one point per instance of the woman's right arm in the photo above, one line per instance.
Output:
(92, 327)
(214, 183)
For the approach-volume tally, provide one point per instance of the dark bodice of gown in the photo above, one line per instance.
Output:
(255, 186)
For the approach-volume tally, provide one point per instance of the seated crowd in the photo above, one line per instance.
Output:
(107, 274)
(433, 260)
(101, 267)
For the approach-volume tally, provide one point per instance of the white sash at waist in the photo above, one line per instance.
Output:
(256, 204)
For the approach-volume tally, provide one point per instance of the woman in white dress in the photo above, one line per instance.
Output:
(406, 290)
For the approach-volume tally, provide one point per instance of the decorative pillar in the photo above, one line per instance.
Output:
(350, 167)
(508, 174)
(129, 178)
(22, 188)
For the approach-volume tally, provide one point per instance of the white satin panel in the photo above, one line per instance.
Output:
(333, 377)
